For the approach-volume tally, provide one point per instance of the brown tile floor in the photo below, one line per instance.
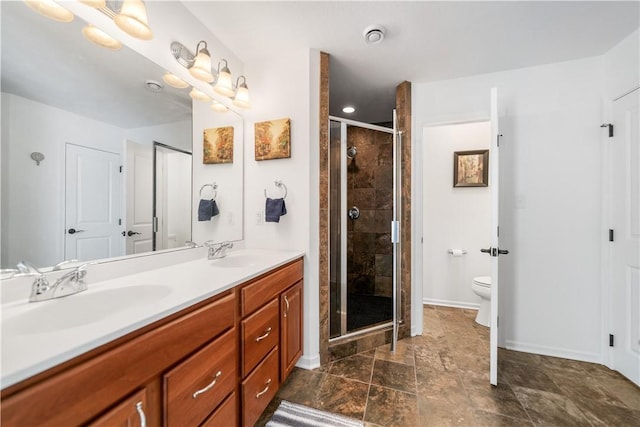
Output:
(442, 379)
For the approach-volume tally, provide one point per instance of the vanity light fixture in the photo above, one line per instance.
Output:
(348, 109)
(224, 84)
(132, 19)
(219, 107)
(50, 9)
(174, 81)
(198, 95)
(242, 94)
(99, 37)
(201, 68)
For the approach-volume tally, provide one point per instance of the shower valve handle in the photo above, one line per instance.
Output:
(354, 213)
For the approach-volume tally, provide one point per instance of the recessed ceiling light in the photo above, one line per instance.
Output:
(348, 109)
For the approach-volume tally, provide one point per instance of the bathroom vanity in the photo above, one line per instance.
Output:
(208, 355)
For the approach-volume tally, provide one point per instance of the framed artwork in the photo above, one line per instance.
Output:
(471, 168)
(217, 145)
(273, 139)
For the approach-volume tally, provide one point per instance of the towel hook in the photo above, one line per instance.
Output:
(214, 186)
(280, 184)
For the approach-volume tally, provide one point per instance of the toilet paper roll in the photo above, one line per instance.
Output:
(457, 252)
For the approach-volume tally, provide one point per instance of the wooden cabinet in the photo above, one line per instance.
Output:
(291, 329)
(201, 366)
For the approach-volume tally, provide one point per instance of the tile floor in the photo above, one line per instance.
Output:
(441, 379)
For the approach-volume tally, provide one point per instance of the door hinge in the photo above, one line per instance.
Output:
(121, 168)
(119, 221)
(610, 126)
(498, 321)
(498, 139)
(610, 235)
(610, 340)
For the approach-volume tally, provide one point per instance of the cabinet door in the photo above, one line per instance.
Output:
(129, 413)
(291, 329)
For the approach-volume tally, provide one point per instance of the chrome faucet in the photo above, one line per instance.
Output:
(68, 284)
(218, 250)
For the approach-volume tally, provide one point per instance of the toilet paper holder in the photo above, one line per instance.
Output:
(457, 252)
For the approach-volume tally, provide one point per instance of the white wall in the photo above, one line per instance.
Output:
(550, 197)
(288, 86)
(622, 66)
(176, 134)
(453, 218)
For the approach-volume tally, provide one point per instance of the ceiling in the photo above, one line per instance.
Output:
(425, 41)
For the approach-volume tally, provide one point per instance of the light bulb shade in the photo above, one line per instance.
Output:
(219, 107)
(198, 95)
(50, 9)
(224, 84)
(133, 20)
(201, 68)
(98, 4)
(242, 96)
(174, 81)
(99, 37)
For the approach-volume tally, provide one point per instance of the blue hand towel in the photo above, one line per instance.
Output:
(207, 209)
(274, 209)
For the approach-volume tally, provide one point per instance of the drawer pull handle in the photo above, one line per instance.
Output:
(143, 418)
(209, 387)
(266, 334)
(286, 301)
(265, 389)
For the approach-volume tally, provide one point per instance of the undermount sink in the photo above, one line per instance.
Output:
(234, 261)
(82, 308)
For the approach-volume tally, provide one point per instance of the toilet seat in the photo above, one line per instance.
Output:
(484, 281)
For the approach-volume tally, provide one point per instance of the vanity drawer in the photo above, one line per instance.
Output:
(253, 295)
(225, 415)
(259, 388)
(260, 333)
(194, 388)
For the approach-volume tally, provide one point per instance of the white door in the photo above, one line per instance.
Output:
(139, 171)
(495, 250)
(92, 204)
(625, 248)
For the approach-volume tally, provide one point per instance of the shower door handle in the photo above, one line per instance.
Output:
(486, 251)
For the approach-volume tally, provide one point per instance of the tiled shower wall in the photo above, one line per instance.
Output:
(370, 189)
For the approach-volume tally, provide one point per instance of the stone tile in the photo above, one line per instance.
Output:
(548, 408)
(434, 358)
(383, 243)
(339, 351)
(342, 396)
(581, 388)
(391, 408)
(394, 375)
(301, 386)
(384, 286)
(268, 412)
(355, 368)
(523, 375)
(443, 386)
(498, 399)
(435, 412)
(519, 357)
(623, 389)
(472, 361)
(565, 365)
(487, 419)
(604, 415)
(384, 265)
(403, 353)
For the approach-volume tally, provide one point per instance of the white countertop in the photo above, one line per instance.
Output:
(38, 336)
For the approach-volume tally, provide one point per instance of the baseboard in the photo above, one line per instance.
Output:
(309, 362)
(447, 303)
(554, 352)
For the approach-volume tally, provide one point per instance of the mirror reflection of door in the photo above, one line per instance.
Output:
(92, 212)
(139, 171)
(172, 201)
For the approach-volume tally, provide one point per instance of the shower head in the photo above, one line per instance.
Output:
(351, 152)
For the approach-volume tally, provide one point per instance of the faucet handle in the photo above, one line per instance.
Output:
(59, 265)
(26, 268)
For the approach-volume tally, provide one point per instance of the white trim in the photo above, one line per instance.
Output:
(554, 352)
(627, 93)
(417, 291)
(309, 362)
(361, 124)
(454, 304)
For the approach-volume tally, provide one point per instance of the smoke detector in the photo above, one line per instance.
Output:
(374, 34)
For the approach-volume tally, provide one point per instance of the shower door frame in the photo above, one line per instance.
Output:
(395, 229)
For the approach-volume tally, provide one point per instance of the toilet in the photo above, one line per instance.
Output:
(482, 287)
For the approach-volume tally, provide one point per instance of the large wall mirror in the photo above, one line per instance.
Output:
(98, 153)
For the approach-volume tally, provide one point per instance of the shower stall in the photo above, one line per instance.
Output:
(364, 248)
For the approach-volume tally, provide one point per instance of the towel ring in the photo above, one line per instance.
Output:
(280, 184)
(214, 186)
